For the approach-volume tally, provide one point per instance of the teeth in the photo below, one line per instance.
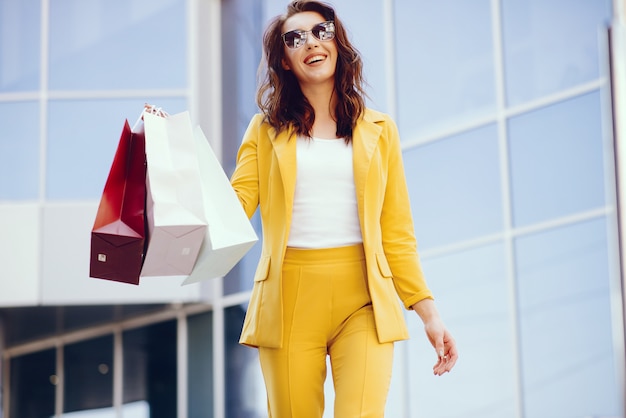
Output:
(315, 59)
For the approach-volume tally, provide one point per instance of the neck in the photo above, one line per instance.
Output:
(323, 102)
(320, 97)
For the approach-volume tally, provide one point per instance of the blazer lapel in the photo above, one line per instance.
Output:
(285, 149)
(364, 142)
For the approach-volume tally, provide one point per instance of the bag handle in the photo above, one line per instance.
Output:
(152, 109)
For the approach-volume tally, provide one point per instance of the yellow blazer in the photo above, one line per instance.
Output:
(265, 176)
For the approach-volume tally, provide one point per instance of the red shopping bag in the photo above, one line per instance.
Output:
(118, 235)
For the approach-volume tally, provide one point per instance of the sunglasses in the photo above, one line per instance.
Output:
(324, 31)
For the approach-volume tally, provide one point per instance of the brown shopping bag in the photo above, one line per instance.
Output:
(230, 234)
(174, 204)
(118, 233)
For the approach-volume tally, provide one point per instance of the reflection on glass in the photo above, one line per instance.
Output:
(88, 374)
(444, 62)
(564, 298)
(85, 316)
(131, 410)
(454, 186)
(200, 365)
(83, 137)
(556, 160)
(241, 55)
(472, 293)
(29, 323)
(104, 45)
(371, 43)
(245, 391)
(550, 46)
(93, 413)
(24, 324)
(20, 37)
(150, 370)
(32, 383)
(19, 150)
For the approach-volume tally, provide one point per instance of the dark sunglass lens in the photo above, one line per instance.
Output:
(292, 39)
(324, 31)
(318, 31)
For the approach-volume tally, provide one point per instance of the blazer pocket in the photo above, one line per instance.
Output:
(383, 265)
(262, 269)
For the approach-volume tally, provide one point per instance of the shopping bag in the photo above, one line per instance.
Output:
(174, 204)
(118, 233)
(230, 234)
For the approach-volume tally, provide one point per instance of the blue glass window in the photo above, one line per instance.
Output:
(150, 371)
(241, 55)
(33, 380)
(19, 150)
(472, 293)
(366, 28)
(200, 365)
(134, 44)
(565, 316)
(444, 53)
(550, 46)
(454, 185)
(557, 160)
(245, 391)
(83, 137)
(20, 37)
(88, 379)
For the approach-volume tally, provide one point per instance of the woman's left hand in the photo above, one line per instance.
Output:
(444, 345)
(438, 335)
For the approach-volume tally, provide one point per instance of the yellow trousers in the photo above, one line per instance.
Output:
(327, 311)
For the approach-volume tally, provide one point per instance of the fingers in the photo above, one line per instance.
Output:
(446, 362)
(444, 346)
(150, 108)
(444, 365)
(442, 357)
(440, 348)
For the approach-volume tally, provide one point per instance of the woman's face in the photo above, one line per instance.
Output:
(315, 61)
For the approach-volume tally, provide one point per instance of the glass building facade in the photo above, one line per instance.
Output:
(505, 113)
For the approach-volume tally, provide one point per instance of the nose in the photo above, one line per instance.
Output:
(311, 40)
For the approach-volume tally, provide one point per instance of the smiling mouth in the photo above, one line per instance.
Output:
(314, 59)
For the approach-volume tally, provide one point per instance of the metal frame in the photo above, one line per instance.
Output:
(617, 59)
(175, 312)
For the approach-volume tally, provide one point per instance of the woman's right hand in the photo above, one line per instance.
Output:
(154, 110)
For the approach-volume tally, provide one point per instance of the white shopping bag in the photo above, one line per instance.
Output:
(175, 212)
(230, 234)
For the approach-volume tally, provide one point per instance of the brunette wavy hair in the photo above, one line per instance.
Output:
(279, 95)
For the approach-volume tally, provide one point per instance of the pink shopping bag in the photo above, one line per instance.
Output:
(175, 213)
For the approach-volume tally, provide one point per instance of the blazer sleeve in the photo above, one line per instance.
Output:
(398, 231)
(245, 178)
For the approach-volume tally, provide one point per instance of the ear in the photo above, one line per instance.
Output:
(286, 67)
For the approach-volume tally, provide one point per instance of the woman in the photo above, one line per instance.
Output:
(338, 244)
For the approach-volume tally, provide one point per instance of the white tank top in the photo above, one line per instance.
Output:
(325, 213)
